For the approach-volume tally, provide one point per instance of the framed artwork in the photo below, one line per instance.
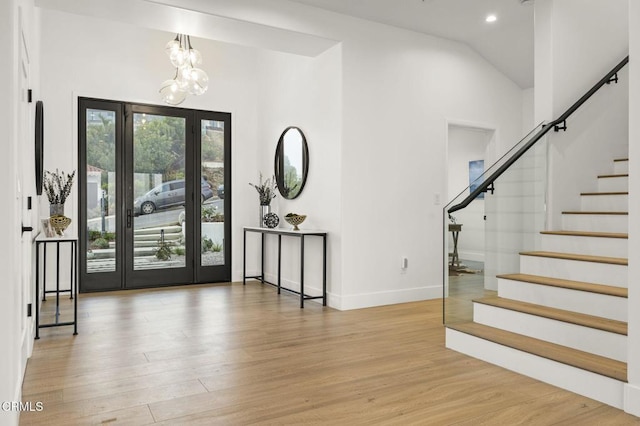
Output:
(47, 230)
(476, 169)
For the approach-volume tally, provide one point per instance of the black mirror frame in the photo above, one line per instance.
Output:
(39, 146)
(279, 164)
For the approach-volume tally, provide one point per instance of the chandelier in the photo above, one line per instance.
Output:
(188, 79)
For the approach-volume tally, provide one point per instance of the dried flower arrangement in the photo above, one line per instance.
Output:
(57, 186)
(266, 190)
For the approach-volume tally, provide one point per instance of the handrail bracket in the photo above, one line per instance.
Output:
(613, 79)
(490, 188)
(561, 126)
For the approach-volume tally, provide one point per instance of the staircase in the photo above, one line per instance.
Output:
(562, 319)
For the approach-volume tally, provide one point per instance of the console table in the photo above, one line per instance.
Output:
(455, 229)
(301, 234)
(42, 242)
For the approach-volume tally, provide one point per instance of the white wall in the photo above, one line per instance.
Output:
(304, 92)
(579, 43)
(400, 90)
(632, 397)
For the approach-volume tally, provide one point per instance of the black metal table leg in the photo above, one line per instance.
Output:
(279, 261)
(262, 258)
(57, 282)
(74, 283)
(302, 271)
(37, 295)
(324, 270)
(244, 257)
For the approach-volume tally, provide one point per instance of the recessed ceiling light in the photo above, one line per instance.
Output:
(491, 18)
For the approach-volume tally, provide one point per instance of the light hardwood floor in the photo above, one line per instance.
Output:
(238, 355)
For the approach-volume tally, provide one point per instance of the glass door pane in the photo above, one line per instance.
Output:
(159, 192)
(100, 191)
(212, 197)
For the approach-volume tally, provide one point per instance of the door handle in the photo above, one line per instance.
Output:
(128, 218)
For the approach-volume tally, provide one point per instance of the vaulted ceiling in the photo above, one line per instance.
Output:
(507, 43)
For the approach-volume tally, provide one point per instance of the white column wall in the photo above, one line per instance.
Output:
(632, 397)
(306, 93)
(577, 43)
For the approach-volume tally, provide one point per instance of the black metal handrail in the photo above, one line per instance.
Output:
(611, 76)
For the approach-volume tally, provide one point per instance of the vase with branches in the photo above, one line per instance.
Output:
(57, 186)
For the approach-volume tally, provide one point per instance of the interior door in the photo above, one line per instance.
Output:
(26, 195)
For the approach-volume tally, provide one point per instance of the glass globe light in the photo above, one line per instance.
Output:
(172, 46)
(171, 92)
(195, 58)
(179, 57)
(183, 77)
(199, 82)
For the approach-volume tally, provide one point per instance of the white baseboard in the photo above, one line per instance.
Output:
(362, 300)
(632, 399)
(391, 297)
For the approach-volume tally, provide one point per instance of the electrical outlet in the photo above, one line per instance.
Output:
(404, 263)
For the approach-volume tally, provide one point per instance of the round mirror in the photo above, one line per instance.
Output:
(292, 162)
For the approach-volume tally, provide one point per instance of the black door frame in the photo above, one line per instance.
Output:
(124, 276)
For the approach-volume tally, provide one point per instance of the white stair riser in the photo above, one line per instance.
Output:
(593, 246)
(584, 302)
(584, 339)
(582, 382)
(620, 167)
(613, 184)
(591, 272)
(595, 223)
(604, 203)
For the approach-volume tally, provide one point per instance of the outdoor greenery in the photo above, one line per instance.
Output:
(159, 149)
(164, 250)
(211, 214)
(209, 245)
(100, 243)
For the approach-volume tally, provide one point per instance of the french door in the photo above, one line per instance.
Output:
(156, 208)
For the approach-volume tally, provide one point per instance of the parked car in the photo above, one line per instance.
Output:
(168, 194)
(221, 192)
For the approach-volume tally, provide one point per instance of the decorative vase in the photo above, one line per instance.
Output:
(56, 209)
(264, 210)
(59, 222)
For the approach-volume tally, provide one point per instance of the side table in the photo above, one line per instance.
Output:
(57, 242)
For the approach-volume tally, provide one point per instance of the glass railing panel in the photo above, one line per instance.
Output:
(493, 228)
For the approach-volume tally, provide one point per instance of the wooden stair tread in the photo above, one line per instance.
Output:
(604, 193)
(568, 284)
(578, 257)
(588, 234)
(594, 363)
(591, 321)
(614, 176)
(599, 213)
